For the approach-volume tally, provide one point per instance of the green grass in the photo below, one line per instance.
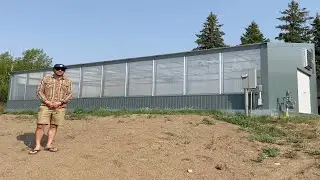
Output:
(103, 112)
(24, 112)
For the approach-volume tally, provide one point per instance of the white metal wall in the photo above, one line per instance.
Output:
(190, 75)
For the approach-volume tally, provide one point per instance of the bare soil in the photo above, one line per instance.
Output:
(145, 147)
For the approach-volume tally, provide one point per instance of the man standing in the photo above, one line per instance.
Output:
(54, 91)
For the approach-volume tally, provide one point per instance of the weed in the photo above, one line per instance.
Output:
(294, 139)
(313, 152)
(261, 157)
(267, 152)
(290, 154)
(271, 152)
(208, 121)
(265, 138)
(298, 146)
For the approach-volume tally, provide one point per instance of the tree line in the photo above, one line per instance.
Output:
(30, 59)
(297, 27)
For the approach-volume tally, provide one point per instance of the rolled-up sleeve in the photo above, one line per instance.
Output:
(68, 93)
(40, 90)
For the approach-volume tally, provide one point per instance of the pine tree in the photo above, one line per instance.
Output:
(295, 28)
(253, 35)
(211, 36)
(316, 34)
(316, 41)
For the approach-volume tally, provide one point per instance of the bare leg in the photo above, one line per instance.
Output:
(51, 134)
(39, 134)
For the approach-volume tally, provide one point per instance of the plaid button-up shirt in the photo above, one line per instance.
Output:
(55, 90)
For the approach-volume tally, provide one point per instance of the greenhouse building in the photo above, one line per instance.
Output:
(260, 78)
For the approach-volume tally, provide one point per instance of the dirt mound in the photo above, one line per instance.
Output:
(147, 147)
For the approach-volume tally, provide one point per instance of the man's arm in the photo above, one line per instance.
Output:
(40, 91)
(69, 94)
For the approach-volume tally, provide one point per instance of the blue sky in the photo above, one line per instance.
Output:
(79, 31)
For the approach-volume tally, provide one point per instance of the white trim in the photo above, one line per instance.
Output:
(220, 73)
(305, 57)
(101, 80)
(126, 82)
(80, 82)
(184, 75)
(153, 78)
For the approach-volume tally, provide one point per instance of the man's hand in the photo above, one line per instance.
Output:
(53, 104)
(49, 104)
(56, 104)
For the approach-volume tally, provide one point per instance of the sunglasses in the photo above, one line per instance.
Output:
(59, 69)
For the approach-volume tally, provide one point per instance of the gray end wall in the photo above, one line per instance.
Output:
(264, 78)
(283, 63)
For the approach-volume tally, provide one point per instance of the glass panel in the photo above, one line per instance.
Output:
(74, 76)
(18, 86)
(48, 73)
(234, 63)
(140, 78)
(169, 76)
(203, 74)
(114, 79)
(91, 84)
(33, 82)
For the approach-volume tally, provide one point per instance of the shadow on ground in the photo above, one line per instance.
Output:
(29, 139)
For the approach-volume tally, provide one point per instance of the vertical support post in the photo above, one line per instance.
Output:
(220, 73)
(10, 87)
(153, 77)
(80, 83)
(251, 101)
(25, 87)
(102, 81)
(126, 81)
(246, 101)
(184, 75)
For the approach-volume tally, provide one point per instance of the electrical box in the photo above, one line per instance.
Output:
(249, 78)
(259, 88)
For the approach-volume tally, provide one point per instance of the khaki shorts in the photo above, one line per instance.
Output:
(51, 116)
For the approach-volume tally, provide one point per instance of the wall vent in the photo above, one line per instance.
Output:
(308, 59)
